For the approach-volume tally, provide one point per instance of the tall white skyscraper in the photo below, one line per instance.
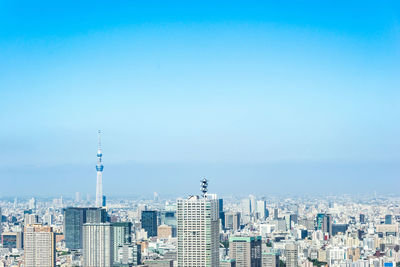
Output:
(32, 203)
(39, 246)
(246, 210)
(252, 204)
(261, 209)
(198, 231)
(98, 241)
(99, 168)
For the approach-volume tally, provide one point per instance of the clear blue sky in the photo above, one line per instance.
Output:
(295, 96)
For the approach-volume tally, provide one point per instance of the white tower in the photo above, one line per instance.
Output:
(99, 168)
(198, 230)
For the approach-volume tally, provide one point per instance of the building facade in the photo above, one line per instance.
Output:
(39, 246)
(98, 245)
(149, 222)
(122, 235)
(198, 232)
(75, 218)
(246, 251)
(291, 254)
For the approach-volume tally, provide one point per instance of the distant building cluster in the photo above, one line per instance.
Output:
(204, 231)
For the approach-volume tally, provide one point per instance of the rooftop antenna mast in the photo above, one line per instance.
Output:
(203, 187)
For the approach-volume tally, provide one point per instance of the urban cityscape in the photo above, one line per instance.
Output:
(200, 230)
(199, 133)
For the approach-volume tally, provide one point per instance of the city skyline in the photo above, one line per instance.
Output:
(293, 98)
(199, 133)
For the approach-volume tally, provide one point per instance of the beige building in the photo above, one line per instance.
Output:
(164, 231)
(246, 251)
(39, 246)
(270, 259)
(291, 254)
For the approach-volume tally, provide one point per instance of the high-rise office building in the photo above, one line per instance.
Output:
(47, 219)
(261, 209)
(31, 219)
(291, 254)
(324, 223)
(294, 219)
(221, 211)
(77, 197)
(75, 218)
(245, 250)
(98, 244)
(73, 223)
(169, 218)
(128, 255)
(99, 169)
(198, 232)
(232, 221)
(246, 206)
(388, 219)
(362, 218)
(164, 231)
(39, 246)
(253, 205)
(276, 214)
(12, 240)
(270, 259)
(32, 204)
(122, 235)
(95, 215)
(149, 222)
(246, 210)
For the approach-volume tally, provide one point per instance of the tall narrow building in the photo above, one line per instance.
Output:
(149, 222)
(98, 242)
(39, 246)
(198, 231)
(291, 254)
(122, 236)
(99, 169)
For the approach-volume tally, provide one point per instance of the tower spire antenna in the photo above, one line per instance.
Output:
(203, 187)
(99, 169)
(99, 139)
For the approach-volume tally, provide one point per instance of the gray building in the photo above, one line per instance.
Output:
(128, 255)
(75, 218)
(122, 235)
(245, 250)
(232, 221)
(149, 222)
(98, 242)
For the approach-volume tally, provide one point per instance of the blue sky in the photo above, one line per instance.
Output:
(283, 95)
